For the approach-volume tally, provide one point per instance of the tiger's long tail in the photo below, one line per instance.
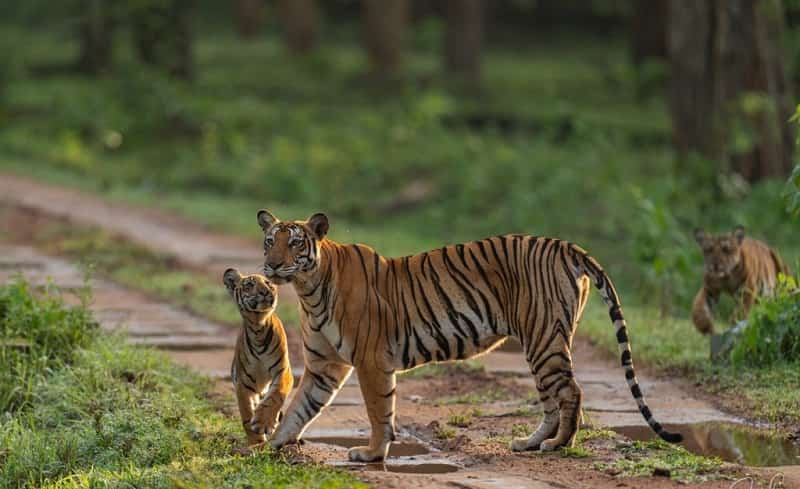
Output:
(606, 288)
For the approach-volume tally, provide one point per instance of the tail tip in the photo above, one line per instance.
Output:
(671, 437)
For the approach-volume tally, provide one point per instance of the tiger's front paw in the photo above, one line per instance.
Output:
(255, 439)
(366, 454)
(263, 422)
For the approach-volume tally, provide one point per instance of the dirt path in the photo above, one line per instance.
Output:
(494, 400)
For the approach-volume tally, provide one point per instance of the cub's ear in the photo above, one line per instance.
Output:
(231, 278)
(738, 233)
(699, 236)
(266, 219)
(318, 223)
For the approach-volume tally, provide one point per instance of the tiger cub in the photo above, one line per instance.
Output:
(735, 264)
(261, 358)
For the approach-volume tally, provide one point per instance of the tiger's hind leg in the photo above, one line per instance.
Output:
(547, 428)
(569, 397)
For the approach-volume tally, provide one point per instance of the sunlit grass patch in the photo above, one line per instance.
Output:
(114, 415)
(645, 459)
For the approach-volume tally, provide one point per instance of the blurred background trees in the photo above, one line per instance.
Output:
(620, 123)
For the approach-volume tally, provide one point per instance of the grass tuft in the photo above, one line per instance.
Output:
(106, 414)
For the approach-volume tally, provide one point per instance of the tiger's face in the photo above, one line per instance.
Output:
(255, 296)
(291, 247)
(721, 252)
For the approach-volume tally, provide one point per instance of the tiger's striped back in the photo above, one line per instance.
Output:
(382, 315)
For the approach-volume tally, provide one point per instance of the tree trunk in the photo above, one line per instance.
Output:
(385, 23)
(95, 32)
(464, 37)
(300, 25)
(730, 96)
(249, 17)
(649, 30)
(162, 36)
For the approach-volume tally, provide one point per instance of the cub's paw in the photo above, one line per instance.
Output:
(365, 454)
(278, 443)
(254, 439)
(263, 422)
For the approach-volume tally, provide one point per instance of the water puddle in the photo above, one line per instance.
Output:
(728, 441)
(415, 468)
(397, 449)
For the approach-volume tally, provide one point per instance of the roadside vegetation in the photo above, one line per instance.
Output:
(561, 142)
(108, 255)
(99, 413)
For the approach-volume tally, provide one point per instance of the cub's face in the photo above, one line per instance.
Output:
(255, 296)
(291, 247)
(721, 252)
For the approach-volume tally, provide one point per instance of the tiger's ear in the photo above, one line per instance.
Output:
(699, 236)
(231, 278)
(318, 223)
(266, 219)
(738, 233)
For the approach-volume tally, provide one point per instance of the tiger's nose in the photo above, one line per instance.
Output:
(275, 265)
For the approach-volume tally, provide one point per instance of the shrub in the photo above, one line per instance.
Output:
(772, 334)
(667, 256)
(37, 334)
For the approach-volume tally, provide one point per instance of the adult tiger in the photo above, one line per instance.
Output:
(383, 315)
(740, 266)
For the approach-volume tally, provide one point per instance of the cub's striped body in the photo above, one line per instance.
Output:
(380, 315)
(261, 374)
(735, 264)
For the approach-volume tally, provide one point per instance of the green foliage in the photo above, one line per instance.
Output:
(120, 416)
(36, 336)
(772, 334)
(643, 458)
(459, 420)
(667, 256)
(576, 452)
(793, 193)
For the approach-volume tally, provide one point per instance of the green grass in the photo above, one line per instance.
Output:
(642, 459)
(459, 420)
(445, 433)
(35, 336)
(120, 416)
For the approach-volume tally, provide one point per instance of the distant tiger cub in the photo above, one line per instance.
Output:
(261, 358)
(378, 316)
(735, 264)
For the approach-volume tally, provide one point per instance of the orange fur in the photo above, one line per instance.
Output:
(375, 315)
(740, 266)
(261, 374)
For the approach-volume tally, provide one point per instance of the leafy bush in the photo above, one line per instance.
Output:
(793, 193)
(772, 334)
(667, 256)
(37, 335)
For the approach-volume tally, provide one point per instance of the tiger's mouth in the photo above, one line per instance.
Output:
(278, 277)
